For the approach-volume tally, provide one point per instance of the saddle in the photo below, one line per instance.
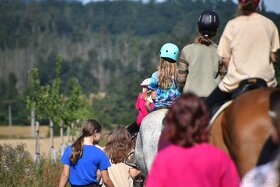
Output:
(247, 85)
(244, 86)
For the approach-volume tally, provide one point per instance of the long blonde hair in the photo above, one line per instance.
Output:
(167, 72)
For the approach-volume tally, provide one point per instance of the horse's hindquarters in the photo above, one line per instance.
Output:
(243, 128)
(150, 131)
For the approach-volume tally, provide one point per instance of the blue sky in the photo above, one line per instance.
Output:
(271, 5)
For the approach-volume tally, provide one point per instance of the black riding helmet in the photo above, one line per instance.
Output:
(208, 23)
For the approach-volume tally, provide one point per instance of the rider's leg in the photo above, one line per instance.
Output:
(217, 97)
(133, 128)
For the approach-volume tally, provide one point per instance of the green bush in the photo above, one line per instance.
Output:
(17, 168)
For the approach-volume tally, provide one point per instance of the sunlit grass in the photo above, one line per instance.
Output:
(17, 168)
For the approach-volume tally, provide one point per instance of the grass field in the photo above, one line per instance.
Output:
(17, 166)
(22, 134)
(45, 144)
(21, 131)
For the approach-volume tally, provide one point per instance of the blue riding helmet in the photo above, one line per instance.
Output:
(169, 51)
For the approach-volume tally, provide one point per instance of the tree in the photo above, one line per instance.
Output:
(73, 107)
(47, 101)
(50, 104)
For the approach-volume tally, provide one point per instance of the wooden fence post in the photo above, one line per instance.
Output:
(62, 145)
(32, 121)
(52, 150)
(9, 103)
(37, 145)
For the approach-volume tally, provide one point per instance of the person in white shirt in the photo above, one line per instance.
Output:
(248, 49)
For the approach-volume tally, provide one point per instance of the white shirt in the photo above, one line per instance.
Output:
(266, 175)
(248, 42)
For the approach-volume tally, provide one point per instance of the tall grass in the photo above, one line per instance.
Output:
(17, 168)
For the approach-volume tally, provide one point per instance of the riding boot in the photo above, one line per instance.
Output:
(133, 128)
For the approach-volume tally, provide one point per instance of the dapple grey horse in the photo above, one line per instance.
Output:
(147, 139)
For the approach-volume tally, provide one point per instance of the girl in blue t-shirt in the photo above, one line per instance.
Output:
(83, 159)
(164, 81)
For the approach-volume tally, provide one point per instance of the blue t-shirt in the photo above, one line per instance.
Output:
(84, 172)
(165, 97)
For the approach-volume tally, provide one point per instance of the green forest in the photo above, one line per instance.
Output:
(108, 46)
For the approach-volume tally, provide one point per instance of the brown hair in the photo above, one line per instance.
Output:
(203, 40)
(247, 7)
(90, 127)
(187, 121)
(167, 72)
(119, 145)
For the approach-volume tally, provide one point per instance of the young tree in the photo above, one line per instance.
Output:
(46, 100)
(59, 109)
(74, 108)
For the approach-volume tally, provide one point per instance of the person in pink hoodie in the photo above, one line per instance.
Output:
(189, 160)
(144, 105)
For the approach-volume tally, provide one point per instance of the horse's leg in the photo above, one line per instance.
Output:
(139, 156)
(150, 143)
(216, 135)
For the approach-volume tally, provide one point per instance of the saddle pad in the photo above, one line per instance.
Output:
(226, 104)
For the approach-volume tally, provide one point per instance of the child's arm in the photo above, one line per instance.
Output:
(148, 106)
(64, 176)
(98, 178)
(182, 72)
(106, 179)
(154, 94)
(133, 172)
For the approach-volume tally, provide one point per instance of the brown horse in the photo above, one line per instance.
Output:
(243, 128)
